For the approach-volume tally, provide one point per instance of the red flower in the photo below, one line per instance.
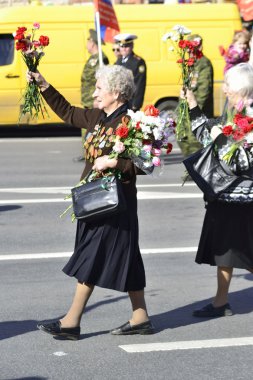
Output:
(182, 44)
(122, 131)
(191, 61)
(227, 130)
(21, 30)
(246, 128)
(238, 135)
(242, 123)
(238, 117)
(19, 36)
(194, 44)
(198, 54)
(21, 45)
(44, 40)
(169, 148)
(150, 110)
(222, 50)
(138, 125)
(250, 119)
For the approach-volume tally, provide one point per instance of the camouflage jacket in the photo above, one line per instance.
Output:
(202, 85)
(88, 79)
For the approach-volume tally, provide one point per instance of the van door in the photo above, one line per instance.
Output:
(10, 80)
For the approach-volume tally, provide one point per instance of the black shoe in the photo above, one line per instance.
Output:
(209, 311)
(144, 328)
(54, 328)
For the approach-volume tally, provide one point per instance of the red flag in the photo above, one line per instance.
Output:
(246, 9)
(108, 20)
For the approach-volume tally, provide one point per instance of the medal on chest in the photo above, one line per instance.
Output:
(95, 141)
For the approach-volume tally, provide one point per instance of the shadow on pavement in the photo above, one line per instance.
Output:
(241, 303)
(10, 329)
(28, 378)
(9, 208)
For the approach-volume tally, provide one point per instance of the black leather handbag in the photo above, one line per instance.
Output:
(210, 174)
(99, 198)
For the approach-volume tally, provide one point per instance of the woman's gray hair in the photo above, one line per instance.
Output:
(239, 79)
(117, 79)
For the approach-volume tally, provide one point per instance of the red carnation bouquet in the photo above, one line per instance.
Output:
(240, 132)
(32, 50)
(188, 52)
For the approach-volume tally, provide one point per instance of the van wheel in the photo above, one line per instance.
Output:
(168, 109)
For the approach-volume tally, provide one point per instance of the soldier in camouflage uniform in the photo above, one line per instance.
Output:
(88, 79)
(134, 63)
(202, 86)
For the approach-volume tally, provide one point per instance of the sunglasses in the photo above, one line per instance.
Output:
(115, 50)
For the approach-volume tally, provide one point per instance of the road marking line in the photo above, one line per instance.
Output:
(188, 345)
(142, 195)
(26, 201)
(39, 139)
(53, 255)
(62, 189)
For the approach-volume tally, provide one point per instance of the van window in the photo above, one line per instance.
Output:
(6, 49)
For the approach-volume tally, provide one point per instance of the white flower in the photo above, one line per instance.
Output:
(181, 29)
(167, 36)
(175, 38)
(171, 48)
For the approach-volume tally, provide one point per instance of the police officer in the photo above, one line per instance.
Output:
(134, 63)
(88, 79)
(202, 87)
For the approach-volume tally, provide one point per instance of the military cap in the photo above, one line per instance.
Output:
(124, 38)
(93, 35)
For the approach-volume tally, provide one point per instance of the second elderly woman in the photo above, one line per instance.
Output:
(227, 235)
(106, 252)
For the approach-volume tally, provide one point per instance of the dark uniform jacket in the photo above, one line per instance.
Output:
(89, 119)
(138, 66)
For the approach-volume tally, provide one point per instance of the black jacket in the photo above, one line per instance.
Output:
(138, 67)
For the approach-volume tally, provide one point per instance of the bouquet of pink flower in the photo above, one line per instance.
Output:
(32, 52)
(188, 52)
(141, 137)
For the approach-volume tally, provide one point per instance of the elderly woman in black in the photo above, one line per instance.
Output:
(227, 235)
(107, 252)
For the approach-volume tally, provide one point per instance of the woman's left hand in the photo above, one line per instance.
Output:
(103, 163)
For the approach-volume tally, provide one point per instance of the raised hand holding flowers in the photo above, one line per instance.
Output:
(188, 52)
(32, 51)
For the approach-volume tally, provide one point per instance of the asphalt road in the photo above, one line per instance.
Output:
(35, 175)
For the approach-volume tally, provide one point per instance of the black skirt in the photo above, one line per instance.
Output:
(107, 253)
(227, 236)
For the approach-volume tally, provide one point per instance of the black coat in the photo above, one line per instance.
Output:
(138, 67)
